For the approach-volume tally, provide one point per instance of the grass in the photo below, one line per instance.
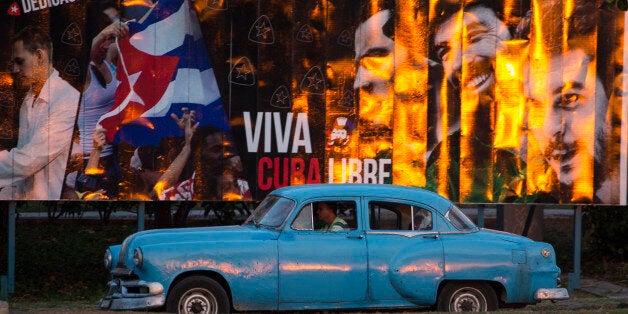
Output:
(580, 303)
(62, 260)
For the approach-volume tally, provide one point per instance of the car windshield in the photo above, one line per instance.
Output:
(459, 220)
(271, 212)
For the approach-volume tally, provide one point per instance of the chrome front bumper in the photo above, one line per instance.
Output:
(551, 294)
(133, 295)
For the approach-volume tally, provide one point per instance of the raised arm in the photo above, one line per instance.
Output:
(100, 141)
(103, 48)
(171, 175)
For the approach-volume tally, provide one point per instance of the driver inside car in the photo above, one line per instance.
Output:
(325, 213)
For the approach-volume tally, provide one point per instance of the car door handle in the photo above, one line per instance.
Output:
(353, 236)
(430, 236)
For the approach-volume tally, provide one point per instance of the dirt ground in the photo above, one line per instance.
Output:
(580, 302)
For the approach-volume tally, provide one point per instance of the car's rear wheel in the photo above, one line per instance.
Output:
(467, 297)
(197, 295)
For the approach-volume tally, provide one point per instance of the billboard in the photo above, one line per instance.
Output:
(479, 101)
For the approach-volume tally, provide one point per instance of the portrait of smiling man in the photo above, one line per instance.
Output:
(396, 79)
(467, 42)
(467, 38)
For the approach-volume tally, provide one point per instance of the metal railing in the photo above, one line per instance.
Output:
(7, 282)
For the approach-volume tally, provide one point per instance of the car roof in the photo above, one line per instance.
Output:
(307, 191)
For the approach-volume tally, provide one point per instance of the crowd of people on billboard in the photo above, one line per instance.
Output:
(479, 101)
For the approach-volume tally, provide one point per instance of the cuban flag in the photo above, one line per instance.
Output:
(163, 66)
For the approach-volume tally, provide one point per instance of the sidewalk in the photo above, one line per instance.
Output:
(603, 289)
(4, 307)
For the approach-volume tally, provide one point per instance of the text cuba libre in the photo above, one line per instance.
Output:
(276, 172)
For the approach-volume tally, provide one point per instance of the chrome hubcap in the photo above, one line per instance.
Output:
(198, 301)
(467, 300)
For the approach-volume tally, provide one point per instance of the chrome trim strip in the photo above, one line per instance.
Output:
(407, 234)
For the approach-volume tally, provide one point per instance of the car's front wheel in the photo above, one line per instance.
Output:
(198, 294)
(467, 297)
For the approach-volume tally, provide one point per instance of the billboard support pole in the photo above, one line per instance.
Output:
(481, 215)
(3, 288)
(11, 248)
(529, 218)
(499, 212)
(574, 278)
(141, 216)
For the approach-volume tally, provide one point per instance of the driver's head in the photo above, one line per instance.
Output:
(325, 213)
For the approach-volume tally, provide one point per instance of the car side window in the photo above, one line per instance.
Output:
(398, 216)
(326, 216)
(304, 220)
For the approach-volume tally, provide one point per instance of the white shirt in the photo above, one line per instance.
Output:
(95, 102)
(34, 170)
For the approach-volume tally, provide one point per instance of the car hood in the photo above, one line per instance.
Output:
(181, 236)
(221, 233)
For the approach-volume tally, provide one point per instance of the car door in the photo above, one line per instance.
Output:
(404, 251)
(322, 266)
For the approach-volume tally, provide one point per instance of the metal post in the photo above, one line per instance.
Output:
(11, 248)
(574, 278)
(141, 216)
(499, 216)
(528, 224)
(4, 286)
(481, 215)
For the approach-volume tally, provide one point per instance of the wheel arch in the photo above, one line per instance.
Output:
(205, 273)
(498, 287)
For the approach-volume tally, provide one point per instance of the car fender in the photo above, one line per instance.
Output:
(416, 271)
(490, 257)
(252, 281)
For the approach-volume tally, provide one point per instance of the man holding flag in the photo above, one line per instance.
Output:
(163, 67)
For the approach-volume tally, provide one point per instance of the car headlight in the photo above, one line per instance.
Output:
(546, 252)
(138, 258)
(107, 259)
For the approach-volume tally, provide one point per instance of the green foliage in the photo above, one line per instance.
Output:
(75, 209)
(619, 4)
(605, 232)
(59, 256)
(228, 212)
(63, 259)
(559, 233)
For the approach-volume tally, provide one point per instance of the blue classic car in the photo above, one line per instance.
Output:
(333, 246)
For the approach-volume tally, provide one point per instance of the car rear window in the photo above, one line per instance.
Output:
(398, 216)
(459, 220)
